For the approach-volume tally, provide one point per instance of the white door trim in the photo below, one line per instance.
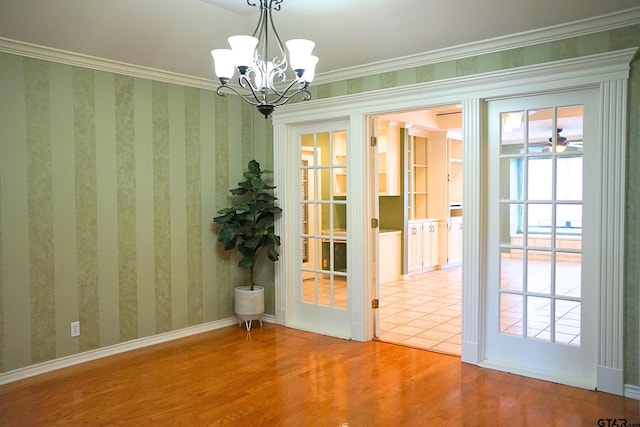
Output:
(608, 71)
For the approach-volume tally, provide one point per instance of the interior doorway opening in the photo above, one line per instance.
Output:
(419, 173)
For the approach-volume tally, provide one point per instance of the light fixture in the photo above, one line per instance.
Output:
(511, 121)
(561, 141)
(262, 80)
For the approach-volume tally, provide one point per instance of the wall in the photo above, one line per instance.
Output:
(573, 47)
(108, 185)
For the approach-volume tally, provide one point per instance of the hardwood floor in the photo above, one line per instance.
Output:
(275, 376)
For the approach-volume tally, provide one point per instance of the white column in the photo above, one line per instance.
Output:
(474, 231)
(613, 107)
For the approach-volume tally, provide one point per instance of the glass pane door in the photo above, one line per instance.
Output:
(540, 304)
(321, 294)
(325, 275)
(541, 216)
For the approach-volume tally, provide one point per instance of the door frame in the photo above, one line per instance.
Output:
(609, 72)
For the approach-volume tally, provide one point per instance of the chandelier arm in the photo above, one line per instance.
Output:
(284, 62)
(282, 94)
(306, 96)
(277, 6)
(257, 32)
(248, 97)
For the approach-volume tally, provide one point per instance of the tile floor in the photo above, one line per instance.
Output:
(424, 311)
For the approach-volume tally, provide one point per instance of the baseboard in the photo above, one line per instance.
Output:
(87, 356)
(470, 353)
(540, 375)
(610, 380)
(632, 391)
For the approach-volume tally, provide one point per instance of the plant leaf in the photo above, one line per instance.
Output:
(254, 167)
(246, 262)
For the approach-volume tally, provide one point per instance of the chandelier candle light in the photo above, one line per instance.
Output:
(263, 81)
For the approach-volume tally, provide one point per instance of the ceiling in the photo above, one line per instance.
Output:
(177, 35)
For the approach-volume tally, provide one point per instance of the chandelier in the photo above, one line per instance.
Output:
(262, 80)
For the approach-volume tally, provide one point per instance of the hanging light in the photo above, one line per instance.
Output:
(561, 142)
(511, 121)
(262, 80)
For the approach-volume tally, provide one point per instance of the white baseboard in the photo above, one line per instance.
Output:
(632, 391)
(470, 352)
(610, 380)
(87, 356)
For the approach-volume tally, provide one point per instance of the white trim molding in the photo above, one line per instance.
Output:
(632, 391)
(528, 38)
(613, 106)
(474, 153)
(609, 73)
(76, 59)
(606, 22)
(99, 353)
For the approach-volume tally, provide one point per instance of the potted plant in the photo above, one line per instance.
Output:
(248, 225)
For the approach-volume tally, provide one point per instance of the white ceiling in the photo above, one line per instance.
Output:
(177, 35)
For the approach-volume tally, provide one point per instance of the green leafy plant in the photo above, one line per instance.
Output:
(248, 225)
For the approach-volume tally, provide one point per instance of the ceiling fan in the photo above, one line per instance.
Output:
(563, 142)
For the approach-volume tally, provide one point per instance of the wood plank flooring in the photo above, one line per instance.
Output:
(275, 376)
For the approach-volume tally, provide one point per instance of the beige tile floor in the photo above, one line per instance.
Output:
(424, 311)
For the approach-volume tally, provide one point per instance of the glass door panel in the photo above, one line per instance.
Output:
(535, 290)
(324, 279)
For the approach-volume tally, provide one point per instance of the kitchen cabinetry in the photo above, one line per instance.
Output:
(424, 245)
(417, 177)
(388, 158)
(388, 137)
(339, 161)
(434, 197)
(454, 241)
(390, 250)
(454, 177)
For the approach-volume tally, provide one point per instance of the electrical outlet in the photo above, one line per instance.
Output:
(75, 328)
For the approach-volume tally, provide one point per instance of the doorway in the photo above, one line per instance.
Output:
(420, 300)
(607, 73)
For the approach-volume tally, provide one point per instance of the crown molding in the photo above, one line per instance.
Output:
(528, 38)
(580, 71)
(578, 28)
(76, 59)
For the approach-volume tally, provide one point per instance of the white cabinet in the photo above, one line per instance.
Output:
(418, 178)
(431, 241)
(434, 198)
(415, 246)
(339, 162)
(454, 177)
(424, 245)
(390, 250)
(388, 158)
(454, 241)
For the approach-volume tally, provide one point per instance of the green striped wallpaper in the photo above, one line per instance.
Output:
(108, 185)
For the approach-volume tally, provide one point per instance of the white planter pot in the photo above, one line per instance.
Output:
(249, 304)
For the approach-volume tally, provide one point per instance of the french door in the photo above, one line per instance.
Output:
(320, 291)
(542, 272)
